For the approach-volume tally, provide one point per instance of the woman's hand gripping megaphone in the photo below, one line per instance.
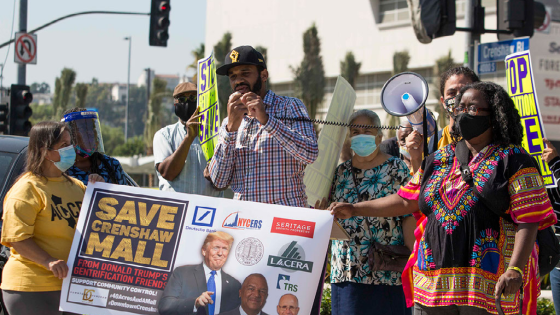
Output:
(415, 144)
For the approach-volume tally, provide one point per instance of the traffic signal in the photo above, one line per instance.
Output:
(433, 18)
(521, 17)
(20, 98)
(159, 23)
(3, 118)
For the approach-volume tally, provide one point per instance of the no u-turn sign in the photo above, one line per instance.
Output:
(26, 48)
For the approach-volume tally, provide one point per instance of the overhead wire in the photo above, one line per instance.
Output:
(11, 37)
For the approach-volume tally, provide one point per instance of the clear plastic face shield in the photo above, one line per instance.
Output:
(85, 131)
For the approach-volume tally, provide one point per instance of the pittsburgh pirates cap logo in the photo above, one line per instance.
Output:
(234, 55)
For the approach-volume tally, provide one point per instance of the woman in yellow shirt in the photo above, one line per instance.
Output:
(40, 215)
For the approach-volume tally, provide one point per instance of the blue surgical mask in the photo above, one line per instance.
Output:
(363, 145)
(67, 158)
(404, 152)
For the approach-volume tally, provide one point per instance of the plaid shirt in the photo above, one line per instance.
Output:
(266, 163)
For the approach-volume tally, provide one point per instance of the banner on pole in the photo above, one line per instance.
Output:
(140, 251)
(319, 175)
(207, 86)
(521, 88)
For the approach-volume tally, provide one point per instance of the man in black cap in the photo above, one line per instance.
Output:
(263, 148)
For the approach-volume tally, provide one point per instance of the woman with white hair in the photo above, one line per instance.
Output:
(368, 175)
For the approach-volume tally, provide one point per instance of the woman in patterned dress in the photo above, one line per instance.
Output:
(476, 245)
(93, 162)
(368, 175)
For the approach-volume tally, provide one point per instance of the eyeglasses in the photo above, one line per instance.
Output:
(471, 110)
(184, 99)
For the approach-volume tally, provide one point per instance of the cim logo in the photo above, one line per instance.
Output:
(291, 257)
(293, 227)
(235, 221)
(88, 295)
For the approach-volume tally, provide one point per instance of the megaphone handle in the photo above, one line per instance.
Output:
(425, 129)
(341, 124)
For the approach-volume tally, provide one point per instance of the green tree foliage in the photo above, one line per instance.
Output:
(309, 77)
(40, 87)
(41, 113)
(134, 146)
(110, 112)
(224, 89)
(137, 110)
(400, 64)
(349, 68)
(81, 93)
(400, 61)
(112, 138)
(153, 123)
(197, 53)
(442, 64)
(63, 90)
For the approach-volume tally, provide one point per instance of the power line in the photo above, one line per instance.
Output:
(8, 52)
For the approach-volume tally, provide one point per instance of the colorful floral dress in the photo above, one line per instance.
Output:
(466, 246)
(349, 260)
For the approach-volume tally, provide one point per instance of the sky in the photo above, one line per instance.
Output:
(94, 45)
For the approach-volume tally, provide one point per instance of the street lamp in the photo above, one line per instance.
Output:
(129, 39)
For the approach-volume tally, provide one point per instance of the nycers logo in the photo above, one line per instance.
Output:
(233, 56)
(291, 258)
(283, 283)
(235, 221)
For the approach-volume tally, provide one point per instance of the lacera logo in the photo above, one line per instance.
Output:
(88, 295)
(293, 227)
(291, 258)
(234, 221)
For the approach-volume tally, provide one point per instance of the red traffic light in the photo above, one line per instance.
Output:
(26, 97)
(164, 7)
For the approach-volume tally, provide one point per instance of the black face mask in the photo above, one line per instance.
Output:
(472, 126)
(185, 110)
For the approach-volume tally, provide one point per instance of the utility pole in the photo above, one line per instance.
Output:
(22, 28)
(148, 85)
(472, 18)
(129, 38)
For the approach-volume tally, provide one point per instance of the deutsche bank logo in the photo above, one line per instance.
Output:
(204, 216)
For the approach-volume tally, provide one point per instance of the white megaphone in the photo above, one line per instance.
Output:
(405, 95)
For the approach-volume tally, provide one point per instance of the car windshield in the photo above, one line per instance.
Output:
(6, 160)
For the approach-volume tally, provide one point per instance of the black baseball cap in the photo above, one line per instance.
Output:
(242, 55)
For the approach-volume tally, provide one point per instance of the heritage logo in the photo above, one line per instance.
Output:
(293, 227)
(235, 221)
(291, 258)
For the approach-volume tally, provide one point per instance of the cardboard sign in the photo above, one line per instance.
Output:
(521, 88)
(140, 251)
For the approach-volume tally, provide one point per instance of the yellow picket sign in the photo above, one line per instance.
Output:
(207, 87)
(521, 88)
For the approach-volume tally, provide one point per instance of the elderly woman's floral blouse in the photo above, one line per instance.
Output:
(349, 261)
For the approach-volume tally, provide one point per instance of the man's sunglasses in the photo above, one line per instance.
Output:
(184, 99)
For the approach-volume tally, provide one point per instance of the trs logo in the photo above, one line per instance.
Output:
(88, 295)
(235, 221)
(283, 283)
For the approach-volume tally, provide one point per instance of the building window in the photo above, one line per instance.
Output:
(393, 11)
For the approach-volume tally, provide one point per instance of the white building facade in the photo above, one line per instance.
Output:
(373, 30)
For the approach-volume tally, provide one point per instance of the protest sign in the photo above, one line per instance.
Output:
(207, 87)
(132, 243)
(521, 88)
(319, 175)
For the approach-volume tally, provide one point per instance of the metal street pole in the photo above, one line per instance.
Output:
(473, 37)
(129, 38)
(22, 28)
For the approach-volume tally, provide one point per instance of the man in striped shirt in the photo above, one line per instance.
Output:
(262, 151)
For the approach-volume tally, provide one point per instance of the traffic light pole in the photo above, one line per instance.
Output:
(22, 28)
(68, 16)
